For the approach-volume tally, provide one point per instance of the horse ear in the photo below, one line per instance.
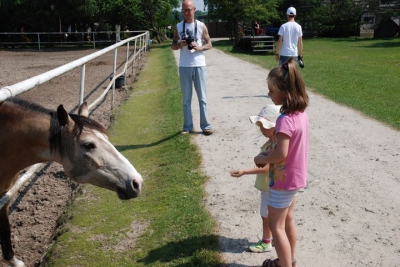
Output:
(62, 115)
(83, 110)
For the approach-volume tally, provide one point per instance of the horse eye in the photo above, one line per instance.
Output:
(89, 146)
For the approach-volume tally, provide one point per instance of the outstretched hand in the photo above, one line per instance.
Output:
(237, 173)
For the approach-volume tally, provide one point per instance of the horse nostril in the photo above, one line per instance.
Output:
(135, 185)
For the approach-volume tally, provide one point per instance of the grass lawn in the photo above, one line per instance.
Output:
(363, 74)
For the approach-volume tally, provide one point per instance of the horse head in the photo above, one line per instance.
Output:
(88, 156)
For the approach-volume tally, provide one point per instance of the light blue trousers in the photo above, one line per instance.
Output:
(196, 76)
(284, 59)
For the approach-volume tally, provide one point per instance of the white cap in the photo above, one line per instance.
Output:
(291, 11)
(267, 116)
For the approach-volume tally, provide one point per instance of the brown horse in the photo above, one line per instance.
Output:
(31, 134)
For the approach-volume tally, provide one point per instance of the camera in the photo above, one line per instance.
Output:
(301, 62)
(189, 39)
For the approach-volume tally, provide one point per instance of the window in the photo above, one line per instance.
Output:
(368, 20)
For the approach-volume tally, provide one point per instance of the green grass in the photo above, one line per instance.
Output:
(363, 74)
(168, 224)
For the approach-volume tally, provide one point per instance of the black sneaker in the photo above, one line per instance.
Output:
(207, 132)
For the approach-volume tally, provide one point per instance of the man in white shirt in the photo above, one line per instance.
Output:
(290, 42)
(192, 38)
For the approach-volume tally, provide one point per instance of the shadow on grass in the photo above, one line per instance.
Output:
(130, 147)
(384, 44)
(197, 248)
(374, 43)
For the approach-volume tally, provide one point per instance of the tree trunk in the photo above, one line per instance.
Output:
(236, 30)
(158, 38)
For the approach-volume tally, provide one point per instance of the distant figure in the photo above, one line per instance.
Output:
(290, 42)
(256, 28)
(89, 34)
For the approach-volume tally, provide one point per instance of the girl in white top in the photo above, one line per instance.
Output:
(266, 121)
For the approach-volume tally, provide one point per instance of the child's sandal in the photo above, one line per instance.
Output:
(274, 263)
(271, 263)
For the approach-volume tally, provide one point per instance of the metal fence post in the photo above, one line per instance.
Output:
(115, 71)
(82, 89)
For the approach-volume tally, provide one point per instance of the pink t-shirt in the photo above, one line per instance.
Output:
(296, 127)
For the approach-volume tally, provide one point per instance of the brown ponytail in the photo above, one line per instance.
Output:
(289, 81)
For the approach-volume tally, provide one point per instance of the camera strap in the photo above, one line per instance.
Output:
(195, 29)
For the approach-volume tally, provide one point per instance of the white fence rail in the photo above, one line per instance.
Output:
(141, 43)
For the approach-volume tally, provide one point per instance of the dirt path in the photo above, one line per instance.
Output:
(348, 216)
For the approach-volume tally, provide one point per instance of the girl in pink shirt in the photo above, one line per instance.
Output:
(286, 88)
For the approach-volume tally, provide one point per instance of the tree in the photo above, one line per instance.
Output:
(236, 11)
(341, 18)
(57, 15)
(122, 12)
(155, 16)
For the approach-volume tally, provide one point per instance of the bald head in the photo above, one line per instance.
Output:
(188, 4)
(188, 10)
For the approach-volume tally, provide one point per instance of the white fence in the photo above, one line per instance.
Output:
(140, 43)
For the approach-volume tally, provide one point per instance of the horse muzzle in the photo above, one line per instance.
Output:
(132, 189)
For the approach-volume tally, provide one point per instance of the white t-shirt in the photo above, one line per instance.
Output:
(290, 32)
(191, 58)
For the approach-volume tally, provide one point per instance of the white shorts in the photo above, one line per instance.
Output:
(281, 199)
(264, 204)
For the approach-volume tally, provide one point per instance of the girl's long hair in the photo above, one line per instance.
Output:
(289, 81)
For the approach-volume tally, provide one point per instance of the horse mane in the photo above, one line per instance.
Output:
(86, 122)
(55, 139)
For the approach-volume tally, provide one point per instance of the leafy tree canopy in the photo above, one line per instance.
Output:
(61, 15)
(239, 11)
(243, 10)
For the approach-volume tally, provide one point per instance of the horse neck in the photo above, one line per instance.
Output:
(24, 137)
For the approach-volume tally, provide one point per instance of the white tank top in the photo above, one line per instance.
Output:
(191, 58)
